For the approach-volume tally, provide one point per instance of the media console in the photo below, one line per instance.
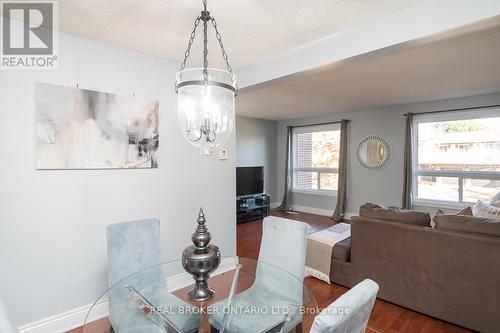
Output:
(252, 207)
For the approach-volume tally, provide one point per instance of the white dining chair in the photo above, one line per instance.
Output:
(283, 248)
(350, 312)
(5, 326)
(132, 247)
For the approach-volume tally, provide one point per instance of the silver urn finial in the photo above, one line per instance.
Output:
(200, 260)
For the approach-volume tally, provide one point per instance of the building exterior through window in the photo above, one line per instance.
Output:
(456, 157)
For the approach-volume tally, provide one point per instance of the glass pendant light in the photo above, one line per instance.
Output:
(206, 95)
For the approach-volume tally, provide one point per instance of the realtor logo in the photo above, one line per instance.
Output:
(29, 35)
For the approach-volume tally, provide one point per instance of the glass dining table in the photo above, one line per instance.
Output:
(250, 296)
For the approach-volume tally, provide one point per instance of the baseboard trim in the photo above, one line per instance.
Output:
(273, 205)
(66, 321)
(312, 210)
(319, 211)
(348, 215)
(75, 318)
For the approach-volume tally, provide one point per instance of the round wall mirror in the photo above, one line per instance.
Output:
(374, 152)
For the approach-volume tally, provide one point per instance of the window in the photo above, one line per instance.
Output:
(456, 157)
(316, 159)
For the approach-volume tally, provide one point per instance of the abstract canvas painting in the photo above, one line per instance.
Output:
(85, 129)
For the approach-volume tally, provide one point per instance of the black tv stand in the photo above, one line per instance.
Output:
(252, 207)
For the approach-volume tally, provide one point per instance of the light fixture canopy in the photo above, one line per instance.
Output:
(206, 95)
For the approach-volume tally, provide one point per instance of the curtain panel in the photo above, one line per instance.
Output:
(340, 208)
(285, 203)
(408, 163)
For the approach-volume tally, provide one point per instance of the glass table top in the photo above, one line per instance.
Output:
(250, 296)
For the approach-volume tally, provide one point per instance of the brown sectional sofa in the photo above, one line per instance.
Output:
(450, 275)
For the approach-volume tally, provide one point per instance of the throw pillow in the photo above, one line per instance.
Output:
(495, 200)
(496, 197)
(482, 209)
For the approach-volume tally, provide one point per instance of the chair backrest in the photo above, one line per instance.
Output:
(350, 312)
(283, 248)
(132, 246)
(284, 244)
(5, 326)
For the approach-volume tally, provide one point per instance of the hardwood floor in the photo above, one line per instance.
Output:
(385, 317)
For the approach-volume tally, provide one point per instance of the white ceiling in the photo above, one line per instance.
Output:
(252, 30)
(454, 67)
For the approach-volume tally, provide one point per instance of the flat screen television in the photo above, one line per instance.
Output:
(249, 180)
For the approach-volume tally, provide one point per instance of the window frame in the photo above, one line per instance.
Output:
(492, 112)
(319, 171)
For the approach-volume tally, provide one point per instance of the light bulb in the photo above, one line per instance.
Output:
(206, 109)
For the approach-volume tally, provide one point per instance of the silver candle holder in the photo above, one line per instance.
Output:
(200, 260)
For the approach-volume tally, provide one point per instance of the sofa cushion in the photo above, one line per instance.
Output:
(483, 209)
(342, 250)
(374, 211)
(471, 224)
(467, 211)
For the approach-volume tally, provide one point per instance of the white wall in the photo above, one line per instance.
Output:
(383, 186)
(53, 223)
(256, 146)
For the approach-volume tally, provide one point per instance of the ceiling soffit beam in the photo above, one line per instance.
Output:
(419, 21)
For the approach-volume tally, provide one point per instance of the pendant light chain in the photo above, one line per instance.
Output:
(219, 39)
(205, 16)
(191, 40)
